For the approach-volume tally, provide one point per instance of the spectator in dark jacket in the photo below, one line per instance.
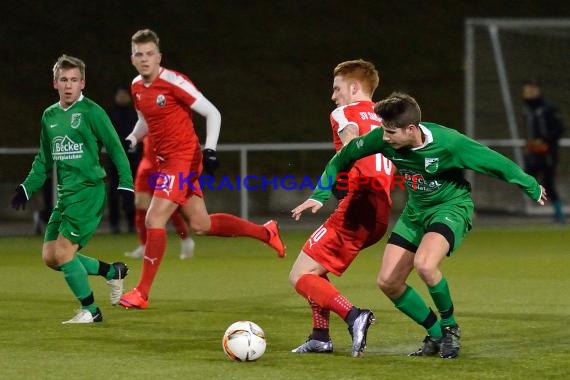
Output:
(123, 116)
(544, 128)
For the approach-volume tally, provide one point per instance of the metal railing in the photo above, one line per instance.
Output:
(244, 149)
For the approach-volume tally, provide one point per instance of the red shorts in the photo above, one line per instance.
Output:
(145, 169)
(359, 221)
(177, 180)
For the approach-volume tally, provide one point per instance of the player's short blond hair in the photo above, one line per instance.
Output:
(145, 35)
(68, 62)
(361, 71)
(398, 110)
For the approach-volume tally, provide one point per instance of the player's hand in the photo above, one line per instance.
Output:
(542, 198)
(309, 203)
(210, 161)
(19, 200)
(130, 144)
(127, 196)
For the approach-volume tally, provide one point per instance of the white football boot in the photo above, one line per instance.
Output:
(187, 248)
(85, 316)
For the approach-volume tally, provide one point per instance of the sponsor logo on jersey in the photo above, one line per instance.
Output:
(160, 100)
(370, 116)
(416, 181)
(431, 165)
(64, 148)
(75, 120)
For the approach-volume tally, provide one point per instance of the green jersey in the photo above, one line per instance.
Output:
(72, 138)
(433, 172)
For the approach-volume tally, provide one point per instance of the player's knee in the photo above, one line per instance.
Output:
(50, 262)
(49, 256)
(387, 284)
(53, 260)
(200, 231)
(200, 227)
(294, 277)
(426, 270)
(155, 220)
(381, 283)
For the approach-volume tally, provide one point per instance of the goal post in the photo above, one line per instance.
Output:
(499, 55)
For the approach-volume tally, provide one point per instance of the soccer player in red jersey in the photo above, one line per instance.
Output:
(143, 194)
(359, 221)
(165, 100)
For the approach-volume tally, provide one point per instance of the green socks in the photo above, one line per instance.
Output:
(95, 267)
(442, 300)
(412, 304)
(75, 275)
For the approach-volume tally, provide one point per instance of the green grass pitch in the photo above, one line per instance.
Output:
(510, 287)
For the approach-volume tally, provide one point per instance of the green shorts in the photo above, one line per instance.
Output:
(77, 215)
(414, 223)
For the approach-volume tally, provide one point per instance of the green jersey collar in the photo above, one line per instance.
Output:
(429, 137)
(78, 100)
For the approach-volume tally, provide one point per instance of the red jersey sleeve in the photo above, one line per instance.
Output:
(363, 116)
(165, 105)
(182, 88)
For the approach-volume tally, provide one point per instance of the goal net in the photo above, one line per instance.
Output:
(499, 55)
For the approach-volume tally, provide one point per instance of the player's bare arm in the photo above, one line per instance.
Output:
(348, 133)
(309, 203)
(543, 197)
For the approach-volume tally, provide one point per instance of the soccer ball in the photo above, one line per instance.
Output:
(244, 341)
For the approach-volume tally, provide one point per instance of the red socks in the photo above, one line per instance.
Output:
(323, 293)
(153, 253)
(222, 225)
(140, 216)
(321, 317)
(180, 224)
(231, 226)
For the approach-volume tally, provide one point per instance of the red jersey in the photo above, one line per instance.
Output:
(148, 150)
(165, 105)
(148, 159)
(362, 115)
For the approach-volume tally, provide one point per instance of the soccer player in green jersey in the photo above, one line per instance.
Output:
(73, 131)
(438, 214)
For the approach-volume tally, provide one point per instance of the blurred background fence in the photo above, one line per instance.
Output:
(499, 54)
(259, 200)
